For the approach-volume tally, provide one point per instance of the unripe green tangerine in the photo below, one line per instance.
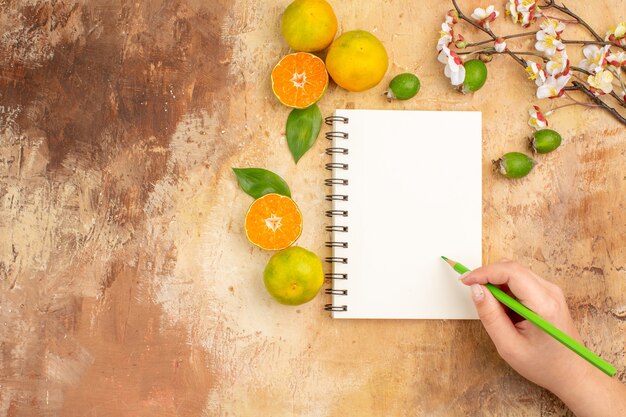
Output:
(545, 140)
(403, 87)
(475, 75)
(515, 164)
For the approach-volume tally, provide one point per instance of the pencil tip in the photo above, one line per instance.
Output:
(449, 262)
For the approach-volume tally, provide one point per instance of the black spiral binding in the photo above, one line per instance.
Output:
(335, 135)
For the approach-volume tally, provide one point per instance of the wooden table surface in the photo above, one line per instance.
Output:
(128, 287)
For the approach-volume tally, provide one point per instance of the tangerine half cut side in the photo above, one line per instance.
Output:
(273, 222)
(299, 79)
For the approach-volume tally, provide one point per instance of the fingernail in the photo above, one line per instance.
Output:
(464, 275)
(477, 292)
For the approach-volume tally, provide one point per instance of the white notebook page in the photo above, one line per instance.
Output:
(414, 194)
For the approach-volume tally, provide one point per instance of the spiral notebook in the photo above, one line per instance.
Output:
(405, 187)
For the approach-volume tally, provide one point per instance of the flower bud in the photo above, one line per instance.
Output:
(485, 57)
(454, 15)
(499, 45)
(461, 44)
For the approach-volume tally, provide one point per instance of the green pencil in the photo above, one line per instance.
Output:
(540, 322)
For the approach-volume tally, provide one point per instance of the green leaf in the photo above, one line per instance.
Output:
(258, 181)
(303, 126)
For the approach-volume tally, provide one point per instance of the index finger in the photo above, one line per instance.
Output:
(525, 285)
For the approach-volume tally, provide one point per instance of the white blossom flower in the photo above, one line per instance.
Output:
(548, 41)
(537, 119)
(558, 26)
(536, 73)
(523, 12)
(484, 16)
(595, 58)
(511, 9)
(454, 65)
(499, 45)
(617, 34)
(558, 64)
(526, 5)
(446, 35)
(617, 59)
(620, 30)
(601, 82)
(553, 87)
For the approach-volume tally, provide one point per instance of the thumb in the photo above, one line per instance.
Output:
(495, 320)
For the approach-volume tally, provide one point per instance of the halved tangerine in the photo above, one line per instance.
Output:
(299, 80)
(273, 222)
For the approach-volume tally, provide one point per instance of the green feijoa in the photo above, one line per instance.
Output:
(545, 140)
(403, 87)
(475, 75)
(515, 165)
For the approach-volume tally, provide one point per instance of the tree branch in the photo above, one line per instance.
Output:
(517, 35)
(613, 94)
(564, 9)
(584, 71)
(619, 100)
(576, 85)
(580, 87)
(592, 43)
(487, 31)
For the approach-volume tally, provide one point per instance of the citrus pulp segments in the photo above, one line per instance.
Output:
(299, 80)
(273, 222)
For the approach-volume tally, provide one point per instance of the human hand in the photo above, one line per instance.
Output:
(528, 349)
(533, 353)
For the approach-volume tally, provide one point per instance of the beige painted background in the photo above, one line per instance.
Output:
(128, 287)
